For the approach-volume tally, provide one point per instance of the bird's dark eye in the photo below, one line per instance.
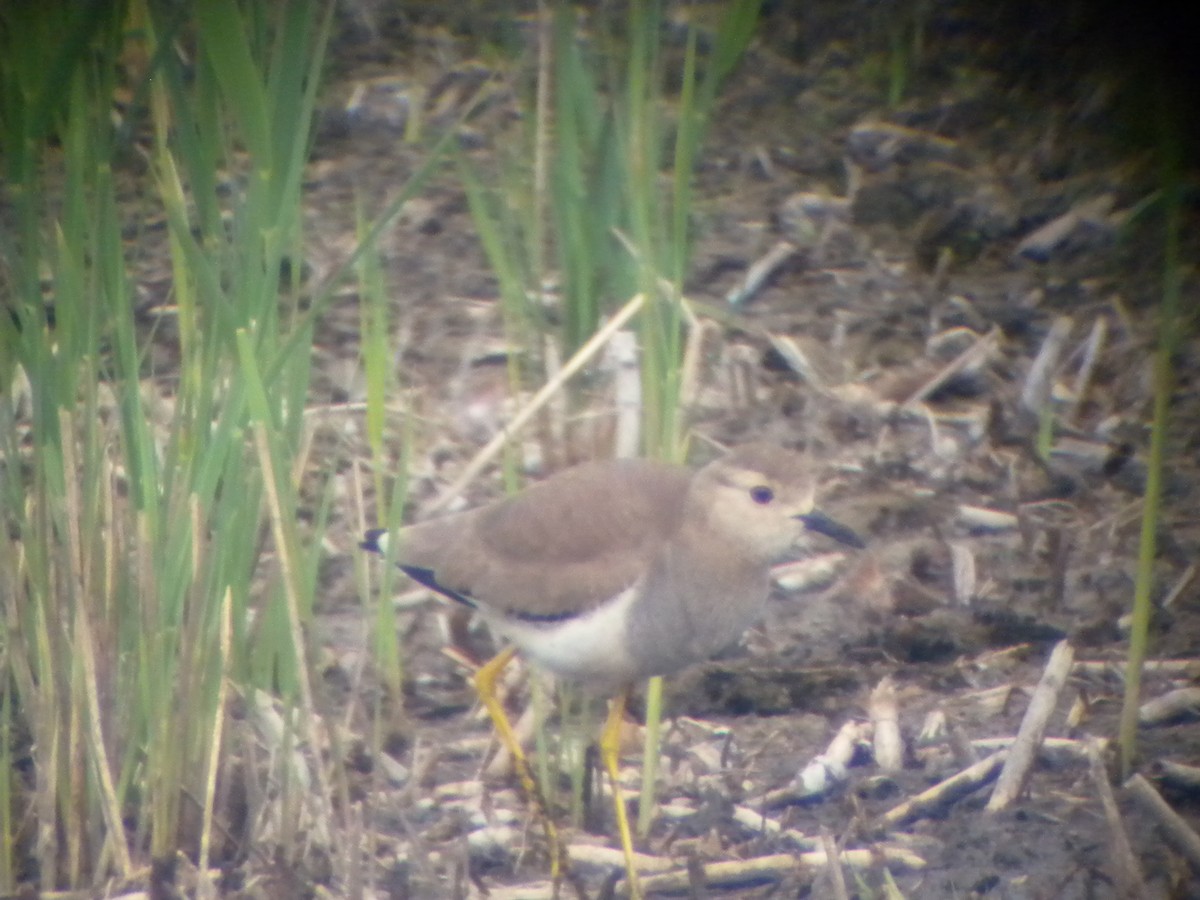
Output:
(762, 495)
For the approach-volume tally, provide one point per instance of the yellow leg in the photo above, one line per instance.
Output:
(610, 752)
(485, 685)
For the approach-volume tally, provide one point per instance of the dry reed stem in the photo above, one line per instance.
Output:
(1039, 382)
(977, 352)
(291, 595)
(837, 878)
(1033, 728)
(945, 792)
(779, 865)
(1176, 830)
(540, 399)
(1130, 881)
(1177, 775)
(885, 717)
(205, 887)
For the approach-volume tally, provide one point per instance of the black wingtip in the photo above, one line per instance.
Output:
(420, 574)
(370, 540)
(428, 578)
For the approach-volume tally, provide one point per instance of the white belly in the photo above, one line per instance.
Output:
(591, 647)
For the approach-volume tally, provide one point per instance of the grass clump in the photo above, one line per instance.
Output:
(594, 204)
(138, 502)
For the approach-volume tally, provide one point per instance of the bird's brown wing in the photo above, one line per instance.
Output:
(558, 548)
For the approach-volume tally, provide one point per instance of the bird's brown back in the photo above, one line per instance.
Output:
(561, 546)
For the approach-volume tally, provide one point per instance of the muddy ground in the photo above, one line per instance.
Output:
(940, 247)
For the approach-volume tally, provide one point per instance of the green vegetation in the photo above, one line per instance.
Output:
(158, 570)
(155, 567)
(1170, 331)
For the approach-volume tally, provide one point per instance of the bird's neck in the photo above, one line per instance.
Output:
(713, 552)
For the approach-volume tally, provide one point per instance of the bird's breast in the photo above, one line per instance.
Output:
(591, 646)
(690, 612)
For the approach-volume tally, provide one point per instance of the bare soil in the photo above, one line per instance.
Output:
(996, 211)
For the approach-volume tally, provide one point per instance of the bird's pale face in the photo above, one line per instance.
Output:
(756, 510)
(760, 498)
